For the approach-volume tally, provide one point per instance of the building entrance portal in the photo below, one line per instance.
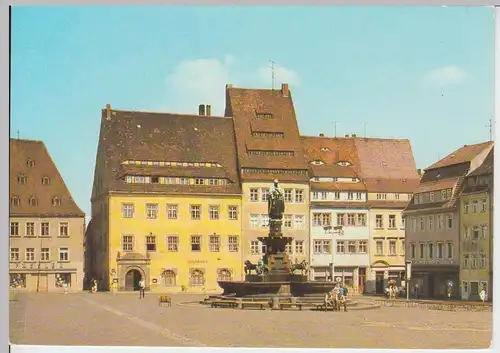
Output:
(132, 279)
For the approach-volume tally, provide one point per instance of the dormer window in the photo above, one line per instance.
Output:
(318, 162)
(30, 163)
(45, 180)
(22, 179)
(384, 164)
(354, 180)
(324, 149)
(343, 163)
(56, 202)
(33, 201)
(15, 201)
(264, 115)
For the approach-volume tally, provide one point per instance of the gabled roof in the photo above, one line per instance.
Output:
(485, 169)
(464, 154)
(246, 106)
(331, 150)
(167, 137)
(487, 166)
(21, 151)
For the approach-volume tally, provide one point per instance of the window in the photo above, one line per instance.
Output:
(288, 248)
(484, 231)
(30, 163)
(350, 195)
(14, 229)
(15, 202)
(197, 278)
(199, 181)
(483, 205)
(288, 195)
(195, 211)
(403, 249)
(168, 278)
(255, 248)
(172, 211)
(324, 195)
(381, 196)
(128, 210)
(482, 261)
(392, 221)
(265, 220)
(45, 229)
(431, 196)
(340, 246)
(413, 251)
(287, 221)
(317, 246)
(421, 224)
(184, 181)
(254, 195)
(151, 210)
(362, 246)
(439, 250)
(151, 243)
(379, 247)
(299, 195)
(63, 254)
(473, 261)
(466, 206)
(403, 225)
(172, 243)
(336, 195)
(396, 196)
(213, 212)
(475, 233)
(45, 254)
(254, 220)
(474, 206)
(127, 243)
(351, 247)
(440, 222)
(22, 179)
(392, 247)
(430, 251)
(350, 219)
(315, 195)
(33, 202)
(430, 221)
(421, 250)
(264, 194)
(340, 219)
(30, 229)
(322, 247)
(195, 242)
(214, 243)
(474, 288)
(299, 246)
(56, 202)
(361, 219)
(14, 254)
(327, 247)
(449, 250)
(443, 194)
(233, 243)
(233, 213)
(63, 229)
(29, 254)
(466, 260)
(224, 275)
(358, 196)
(299, 221)
(449, 221)
(379, 221)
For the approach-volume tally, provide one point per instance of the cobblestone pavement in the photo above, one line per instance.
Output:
(125, 320)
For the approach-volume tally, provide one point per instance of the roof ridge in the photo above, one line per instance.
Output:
(25, 140)
(170, 113)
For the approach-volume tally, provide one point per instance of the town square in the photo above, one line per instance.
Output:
(186, 192)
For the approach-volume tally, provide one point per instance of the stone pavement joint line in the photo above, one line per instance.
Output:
(150, 326)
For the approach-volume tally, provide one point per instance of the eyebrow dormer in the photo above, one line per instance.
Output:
(343, 163)
(317, 162)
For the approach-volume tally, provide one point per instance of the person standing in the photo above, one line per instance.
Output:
(142, 286)
(482, 294)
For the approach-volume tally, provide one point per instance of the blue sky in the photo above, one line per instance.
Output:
(424, 73)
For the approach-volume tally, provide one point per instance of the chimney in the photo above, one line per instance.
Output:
(419, 172)
(347, 135)
(201, 109)
(209, 110)
(353, 135)
(229, 85)
(108, 111)
(284, 90)
(321, 134)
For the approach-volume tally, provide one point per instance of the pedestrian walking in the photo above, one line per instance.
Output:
(482, 295)
(65, 286)
(142, 286)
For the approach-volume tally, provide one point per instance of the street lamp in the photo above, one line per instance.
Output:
(339, 231)
(408, 278)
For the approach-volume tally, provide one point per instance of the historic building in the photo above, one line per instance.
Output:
(339, 211)
(46, 225)
(433, 221)
(269, 147)
(390, 177)
(166, 201)
(476, 243)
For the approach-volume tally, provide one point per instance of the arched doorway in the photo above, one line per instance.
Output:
(132, 279)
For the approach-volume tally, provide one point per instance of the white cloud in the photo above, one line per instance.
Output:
(445, 76)
(203, 81)
(281, 75)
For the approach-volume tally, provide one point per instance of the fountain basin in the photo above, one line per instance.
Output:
(283, 288)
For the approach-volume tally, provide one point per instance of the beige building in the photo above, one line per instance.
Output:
(46, 225)
(433, 222)
(269, 147)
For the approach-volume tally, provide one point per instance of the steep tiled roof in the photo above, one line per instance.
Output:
(332, 171)
(338, 186)
(386, 158)
(462, 155)
(487, 166)
(246, 106)
(437, 185)
(331, 150)
(166, 137)
(21, 151)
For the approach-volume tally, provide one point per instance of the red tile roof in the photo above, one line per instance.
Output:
(337, 186)
(464, 154)
(20, 152)
(392, 185)
(487, 166)
(244, 105)
(166, 137)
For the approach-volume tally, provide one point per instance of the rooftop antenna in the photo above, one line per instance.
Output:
(490, 127)
(18, 134)
(366, 126)
(334, 129)
(272, 72)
